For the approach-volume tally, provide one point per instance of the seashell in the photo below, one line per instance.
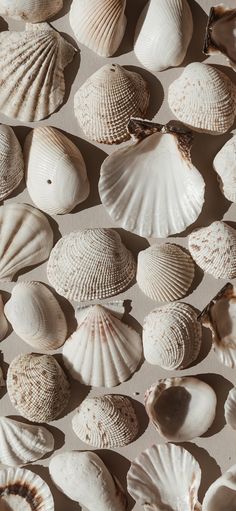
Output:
(222, 493)
(204, 98)
(170, 199)
(99, 24)
(36, 316)
(103, 351)
(230, 408)
(214, 249)
(26, 238)
(37, 387)
(30, 10)
(172, 336)
(165, 272)
(181, 408)
(106, 421)
(221, 33)
(56, 173)
(23, 443)
(106, 101)
(225, 165)
(3, 321)
(22, 490)
(163, 34)
(31, 71)
(90, 264)
(97, 490)
(11, 161)
(165, 477)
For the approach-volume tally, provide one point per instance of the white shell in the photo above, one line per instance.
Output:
(3, 321)
(230, 408)
(221, 496)
(181, 408)
(56, 176)
(99, 24)
(26, 238)
(30, 10)
(11, 161)
(225, 165)
(31, 71)
(22, 490)
(36, 316)
(204, 98)
(163, 33)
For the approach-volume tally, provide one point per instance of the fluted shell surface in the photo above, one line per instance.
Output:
(3, 321)
(225, 165)
(106, 101)
(221, 34)
(22, 490)
(31, 71)
(37, 387)
(11, 161)
(30, 10)
(230, 408)
(222, 493)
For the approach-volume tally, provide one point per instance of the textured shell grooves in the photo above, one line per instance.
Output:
(11, 161)
(225, 165)
(30, 10)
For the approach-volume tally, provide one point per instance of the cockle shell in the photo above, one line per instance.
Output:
(170, 199)
(221, 33)
(204, 98)
(106, 101)
(163, 34)
(225, 165)
(165, 477)
(31, 71)
(99, 24)
(165, 272)
(181, 408)
(90, 265)
(221, 496)
(11, 161)
(214, 249)
(36, 316)
(37, 387)
(26, 238)
(22, 490)
(106, 421)
(30, 10)
(3, 321)
(230, 408)
(172, 336)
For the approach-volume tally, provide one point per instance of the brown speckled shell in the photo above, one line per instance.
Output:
(18, 485)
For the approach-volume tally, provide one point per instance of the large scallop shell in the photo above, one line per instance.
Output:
(37, 387)
(31, 71)
(204, 98)
(170, 199)
(221, 33)
(230, 408)
(3, 321)
(90, 265)
(225, 165)
(106, 101)
(11, 161)
(30, 10)
(221, 496)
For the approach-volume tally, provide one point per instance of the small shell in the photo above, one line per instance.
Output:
(230, 408)
(107, 100)
(221, 496)
(3, 321)
(30, 10)
(225, 165)
(11, 161)
(221, 33)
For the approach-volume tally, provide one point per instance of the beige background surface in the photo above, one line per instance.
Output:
(216, 451)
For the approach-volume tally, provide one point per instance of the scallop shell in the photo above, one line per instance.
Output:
(204, 98)
(225, 165)
(230, 408)
(172, 336)
(221, 34)
(3, 321)
(31, 71)
(221, 496)
(106, 101)
(173, 195)
(11, 161)
(214, 249)
(165, 272)
(26, 238)
(90, 264)
(22, 490)
(163, 33)
(165, 477)
(30, 10)
(99, 24)
(103, 351)
(181, 408)
(37, 387)
(36, 316)
(56, 173)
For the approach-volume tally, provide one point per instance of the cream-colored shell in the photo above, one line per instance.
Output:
(221, 496)
(30, 10)
(32, 67)
(230, 408)
(3, 321)
(23, 490)
(11, 161)
(225, 165)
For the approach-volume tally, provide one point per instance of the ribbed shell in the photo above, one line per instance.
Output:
(230, 408)
(37, 387)
(3, 321)
(90, 264)
(31, 72)
(214, 249)
(106, 101)
(30, 10)
(204, 98)
(11, 161)
(225, 165)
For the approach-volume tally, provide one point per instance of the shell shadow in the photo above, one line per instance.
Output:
(130, 320)
(143, 420)
(65, 9)
(205, 348)
(4, 366)
(133, 242)
(79, 391)
(71, 70)
(67, 308)
(132, 12)
(195, 53)
(118, 465)
(21, 133)
(155, 88)
(3, 25)
(221, 386)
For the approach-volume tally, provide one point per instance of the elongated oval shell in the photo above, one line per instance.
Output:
(221, 33)
(230, 408)
(106, 101)
(22, 490)
(11, 161)
(221, 496)
(3, 321)
(225, 165)
(30, 10)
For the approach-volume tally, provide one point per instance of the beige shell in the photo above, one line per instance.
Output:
(30, 10)
(225, 165)
(37, 387)
(221, 496)
(31, 71)
(230, 408)
(106, 101)
(90, 264)
(220, 33)
(3, 321)
(11, 161)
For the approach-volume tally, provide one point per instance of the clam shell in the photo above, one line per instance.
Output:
(230, 408)
(3, 321)
(31, 71)
(220, 33)
(22, 490)
(204, 98)
(36, 316)
(37, 387)
(222, 493)
(11, 161)
(30, 10)
(106, 101)
(90, 265)
(225, 165)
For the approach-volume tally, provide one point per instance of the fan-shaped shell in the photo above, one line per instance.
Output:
(170, 199)
(106, 101)
(36, 316)
(30, 10)
(22, 490)
(230, 408)
(90, 264)
(99, 24)
(26, 238)
(225, 165)
(3, 321)
(221, 34)
(204, 98)
(37, 387)
(221, 496)
(11, 161)
(31, 71)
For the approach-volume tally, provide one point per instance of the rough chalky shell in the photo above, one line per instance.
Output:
(30, 10)
(22, 490)
(225, 165)
(11, 161)
(230, 408)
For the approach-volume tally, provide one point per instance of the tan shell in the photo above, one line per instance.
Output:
(220, 33)
(30, 10)
(11, 161)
